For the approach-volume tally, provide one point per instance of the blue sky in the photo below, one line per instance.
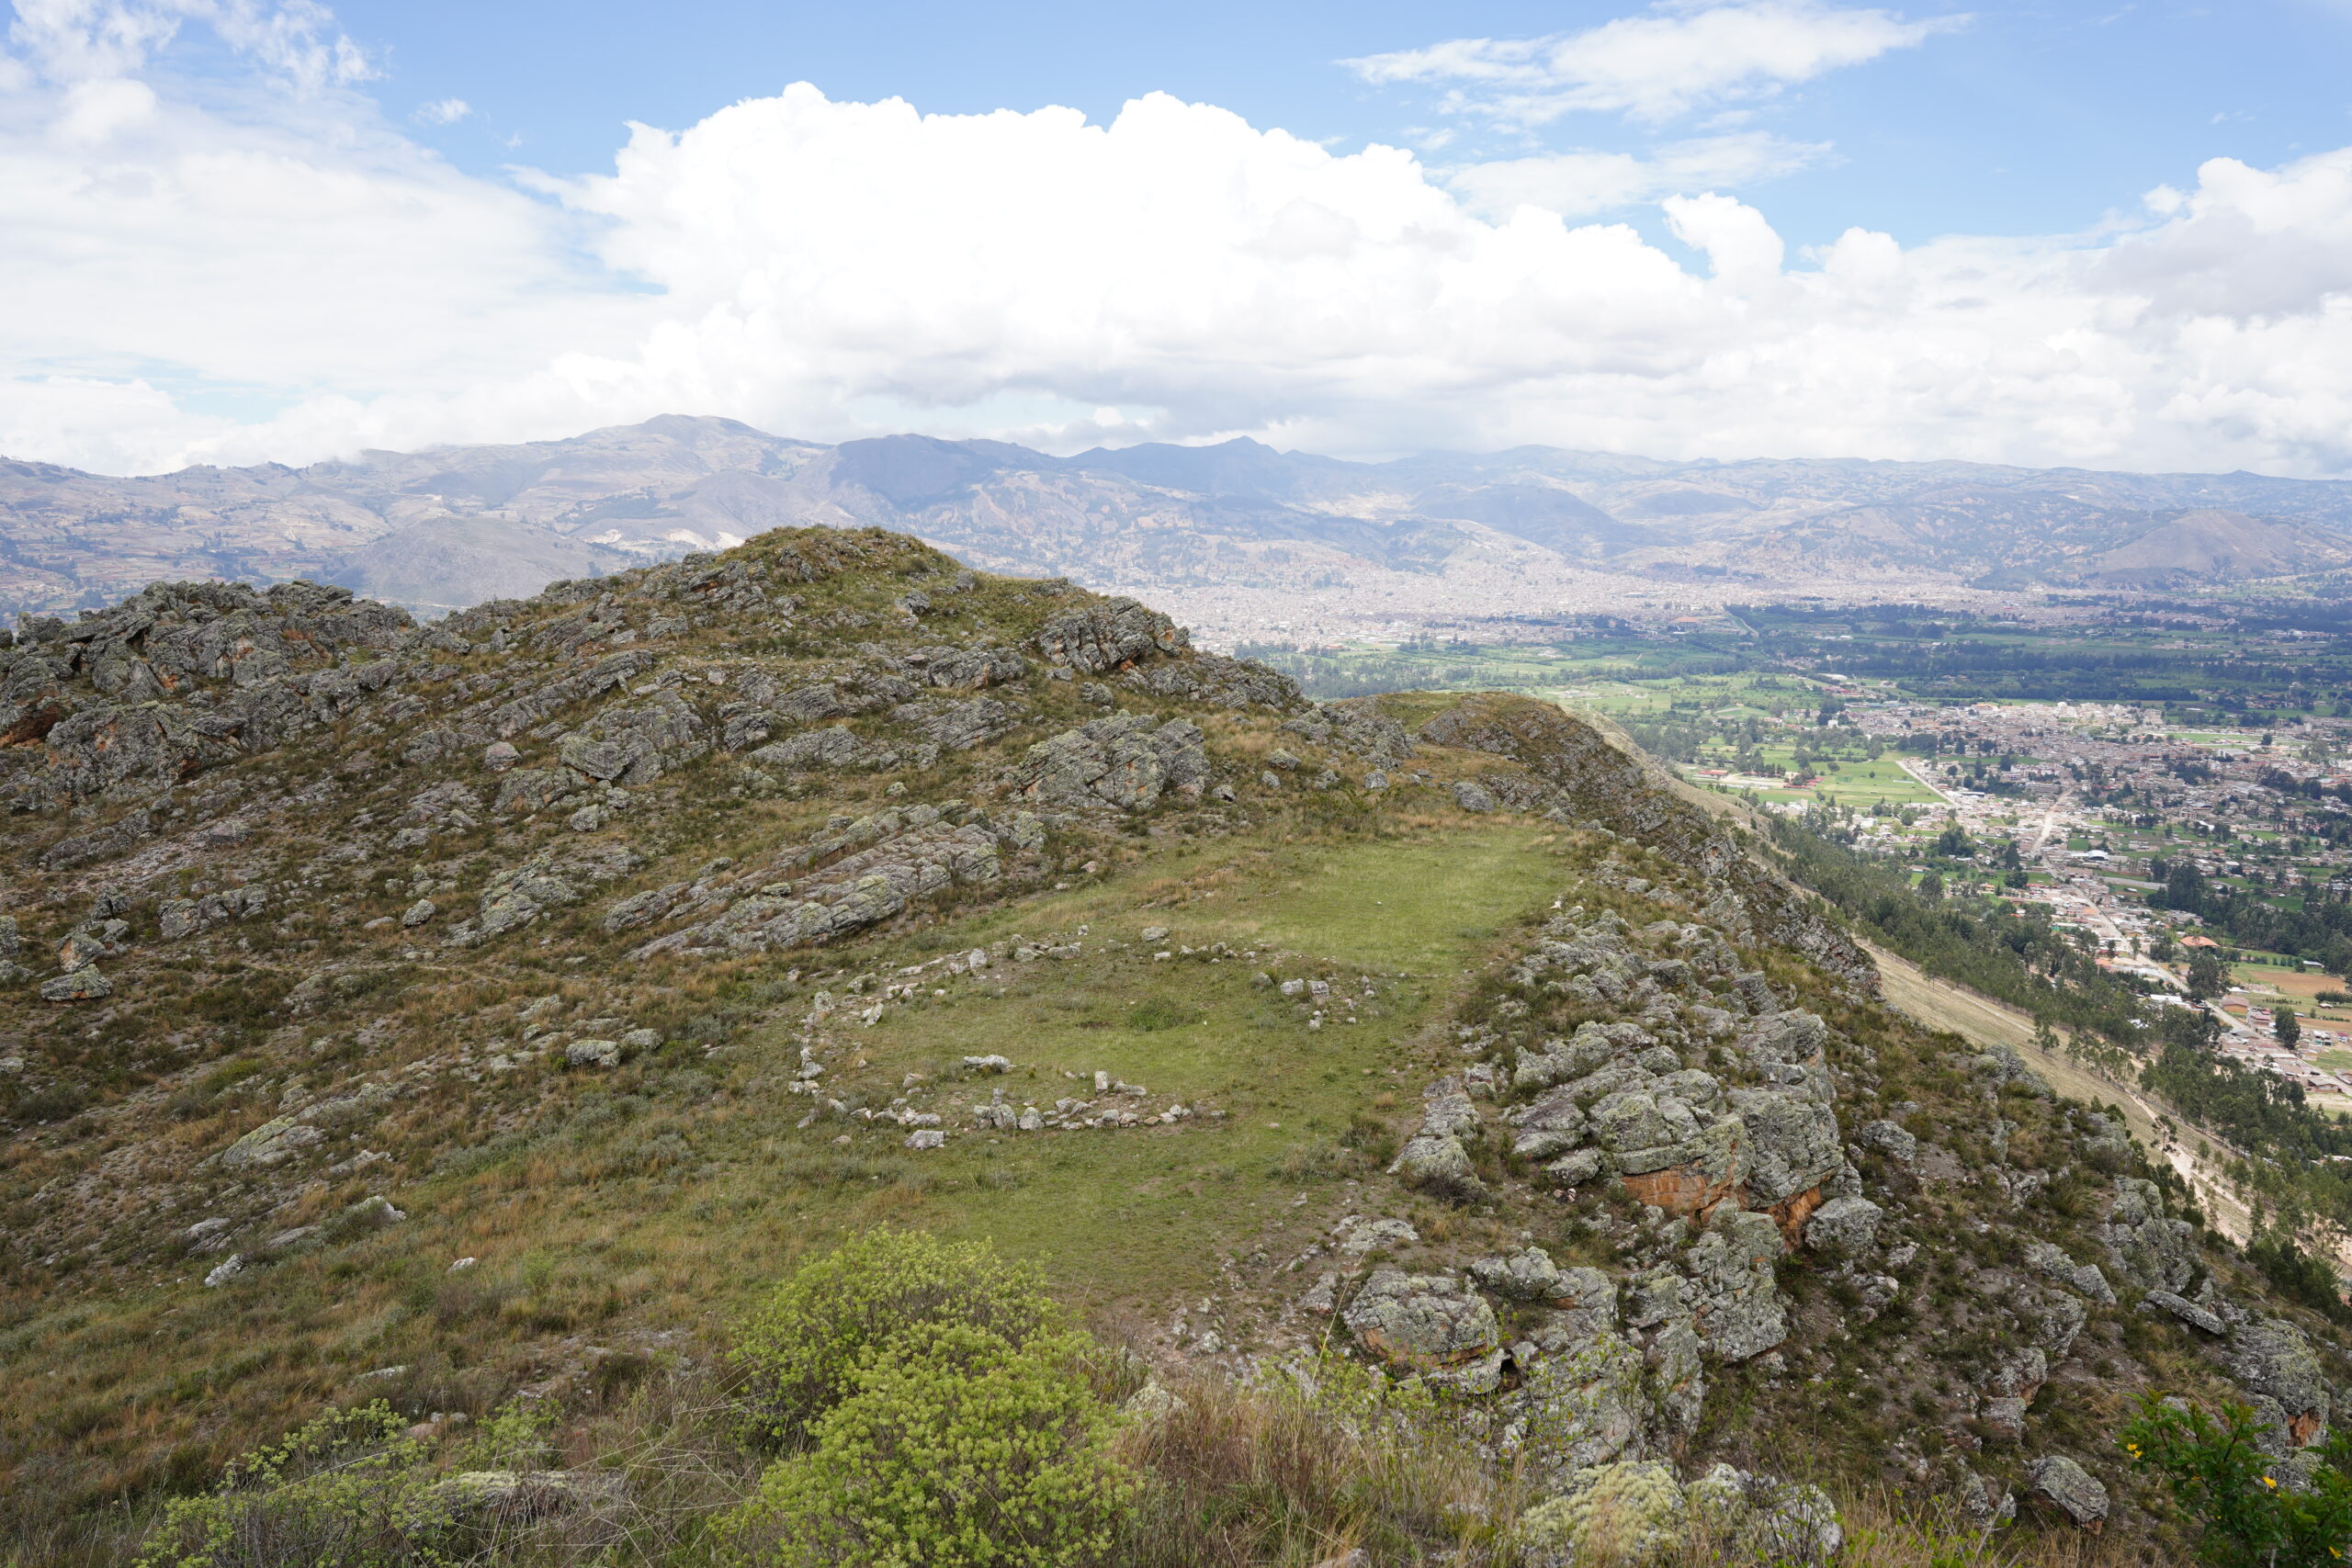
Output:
(2030, 118)
(2117, 235)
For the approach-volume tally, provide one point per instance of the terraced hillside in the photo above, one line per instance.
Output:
(428, 1013)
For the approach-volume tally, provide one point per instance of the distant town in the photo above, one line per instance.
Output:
(2127, 829)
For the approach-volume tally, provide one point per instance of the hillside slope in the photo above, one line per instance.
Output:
(430, 1013)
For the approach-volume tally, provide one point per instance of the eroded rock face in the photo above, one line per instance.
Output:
(1125, 764)
(1113, 635)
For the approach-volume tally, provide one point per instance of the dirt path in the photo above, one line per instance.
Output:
(1973, 1016)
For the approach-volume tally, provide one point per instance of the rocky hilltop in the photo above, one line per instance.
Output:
(430, 1011)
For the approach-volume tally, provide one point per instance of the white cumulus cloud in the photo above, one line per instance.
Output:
(291, 277)
(1653, 67)
(443, 111)
(1576, 183)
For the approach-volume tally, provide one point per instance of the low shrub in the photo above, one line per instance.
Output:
(2253, 1508)
(953, 1448)
(801, 1348)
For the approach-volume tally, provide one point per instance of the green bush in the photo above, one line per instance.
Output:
(954, 1448)
(2253, 1509)
(347, 1490)
(802, 1346)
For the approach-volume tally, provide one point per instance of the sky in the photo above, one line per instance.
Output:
(2117, 235)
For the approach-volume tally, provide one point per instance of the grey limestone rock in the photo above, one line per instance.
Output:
(1584, 1407)
(2186, 1311)
(1127, 763)
(273, 1143)
(1891, 1139)
(1527, 1275)
(2150, 1250)
(2272, 1360)
(83, 985)
(1843, 1227)
(1422, 1321)
(837, 747)
(1473, 797)
(2052, 1263)
(1110, 634)
(1793, 1143)
(2077, 1493)
(1739, 1308)
(1439, 1164)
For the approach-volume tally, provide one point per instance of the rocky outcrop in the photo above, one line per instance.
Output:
(1422, 1321)
(2150, 1250)
(850, 893)
(1124, 764)
(1112, 634)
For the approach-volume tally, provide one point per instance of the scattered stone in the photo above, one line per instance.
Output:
(593, 1053)
(2189, 1312)
(928, 1138)
(1357, 1235)
(225, 1270)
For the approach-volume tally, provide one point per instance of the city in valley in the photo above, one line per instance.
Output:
(2124, 827)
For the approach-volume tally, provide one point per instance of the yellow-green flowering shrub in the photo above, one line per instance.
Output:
(802, 1344)
(955, 1447)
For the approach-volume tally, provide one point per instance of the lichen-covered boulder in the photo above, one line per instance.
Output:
(2276, 1365)
(2077, 1493)
(1440, 1164)
(1843, 1227)
(1611, 1516)
(1739, 1310)
(1422, 1321)
(1528, 1275)
(2151, 1251)
(1792, 1143)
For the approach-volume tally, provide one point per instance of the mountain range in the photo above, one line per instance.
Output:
(1240, 539)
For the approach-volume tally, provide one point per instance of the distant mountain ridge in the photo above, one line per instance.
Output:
(1204, 528)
